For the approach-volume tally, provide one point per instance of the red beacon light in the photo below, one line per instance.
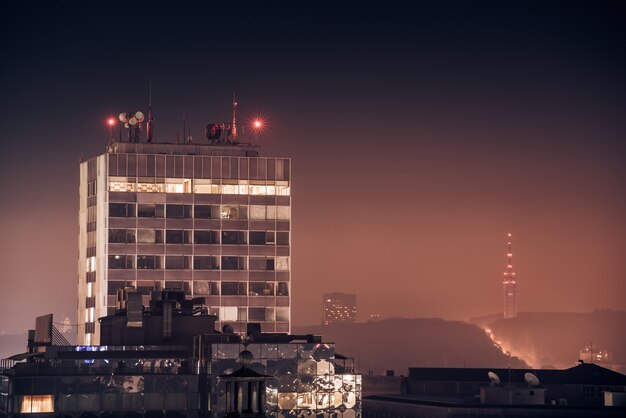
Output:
(110, 121)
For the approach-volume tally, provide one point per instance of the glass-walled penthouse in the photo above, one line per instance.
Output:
(214, 221)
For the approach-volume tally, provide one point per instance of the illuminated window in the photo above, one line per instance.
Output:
(257, 212)
(150, 236)
(229, 313)
(202, 186)
(282, 263)
(234, 212)
(283, 212)
(282, 314)
(230, 189)
(178, 186)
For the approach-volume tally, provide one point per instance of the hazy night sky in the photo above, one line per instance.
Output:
(419, 136)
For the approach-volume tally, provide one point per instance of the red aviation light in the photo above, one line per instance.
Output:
(111, 121)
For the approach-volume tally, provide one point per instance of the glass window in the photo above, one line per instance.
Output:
(202, 212)
(283, 212)
(234, 288)
(282, 289)
(177, 262)
(261, 289)
(282, 314)
(205, 263)
(178, 211)
(233, 263)
(270, 212)
(282, 238)
(282, 263)
(121, 210)
(202, 186)
(257, 237)
(177, 236)
(149, 262)
(229, 313)
(117, 236)
(130, 236)
(121, 262)
(261, 263)
(261, 314)
(201, 288)
(257, 212)
(206, 237)
(150, 236)
(150, 210)
(233, 237)
(234, 212)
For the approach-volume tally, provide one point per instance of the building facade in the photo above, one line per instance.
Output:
(211, 220)
(339, 308)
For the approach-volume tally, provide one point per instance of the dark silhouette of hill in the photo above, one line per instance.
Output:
(402, 343)
(553, 339)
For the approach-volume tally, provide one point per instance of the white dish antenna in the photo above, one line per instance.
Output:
(495, 380)
(123, 118)
(139, 116)
(132, 121)
(531, 379)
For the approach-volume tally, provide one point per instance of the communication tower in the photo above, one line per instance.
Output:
(509, 284)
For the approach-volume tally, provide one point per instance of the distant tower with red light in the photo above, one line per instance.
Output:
(509, 284)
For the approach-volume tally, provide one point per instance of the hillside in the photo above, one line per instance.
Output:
(402, 343)
(552, 339)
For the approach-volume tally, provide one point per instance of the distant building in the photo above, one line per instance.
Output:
(211, 218)
(165, 360)
(509, 285)
(583, 390)
(339, 308)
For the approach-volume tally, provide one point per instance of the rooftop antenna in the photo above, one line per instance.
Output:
(149, 124)
(234, 125)
(184, 127)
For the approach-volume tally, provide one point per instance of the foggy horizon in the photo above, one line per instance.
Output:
(419, 137)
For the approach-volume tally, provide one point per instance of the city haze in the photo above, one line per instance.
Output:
(418, 137)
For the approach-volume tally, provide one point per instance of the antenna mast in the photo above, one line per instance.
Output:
(234, 125)
(509, 283)
(149, 124)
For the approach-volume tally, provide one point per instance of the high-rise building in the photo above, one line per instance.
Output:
(339, 308)
(212, 219)
(509, 284)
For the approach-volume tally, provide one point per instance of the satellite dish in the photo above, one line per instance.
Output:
(126, 125)
(133, 121)
(495, 380)
(531, 379)
(123, 117)
(139, 116)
